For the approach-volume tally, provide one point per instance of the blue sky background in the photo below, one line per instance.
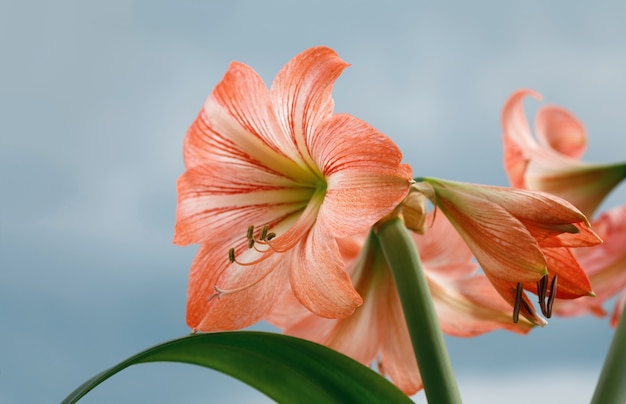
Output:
(95, 98)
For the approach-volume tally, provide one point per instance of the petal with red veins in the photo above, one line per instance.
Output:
(365, 180)
(301, 95)
(318, 278)
(207, 312)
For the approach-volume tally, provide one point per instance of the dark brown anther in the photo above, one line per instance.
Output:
(518, 302)
(250, 234)
(263, 235)
(231, 255)
(552, 297)
(270, 236)
(250, 242)
(542, 290)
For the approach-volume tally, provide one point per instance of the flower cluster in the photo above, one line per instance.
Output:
(283, 195)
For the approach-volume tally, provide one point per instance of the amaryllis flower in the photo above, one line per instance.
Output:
(551, 163)
(519, 238)
(273, 178)
(466, 304)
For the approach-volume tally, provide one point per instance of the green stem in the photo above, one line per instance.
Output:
(611, 386)
(419, 313)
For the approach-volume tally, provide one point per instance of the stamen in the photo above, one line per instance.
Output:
(270, 236)
(542, 289)
(552, 296)
(263, 233)
(251, 243)
(219, 292)
(250, 234)
(231, 255)
(518, 302)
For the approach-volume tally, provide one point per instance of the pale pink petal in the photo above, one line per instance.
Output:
(358, 336)
(518, 139)
(558, 129)
(207, 312)
(318, 277)
(442, 250)
(365, 180)
(301, 95)
(397, 357)
(471, 306)
(515, 162)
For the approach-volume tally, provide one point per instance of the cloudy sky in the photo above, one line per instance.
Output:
(95, 98)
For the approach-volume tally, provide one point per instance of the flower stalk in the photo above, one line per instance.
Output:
(419, 312)
(611, 387)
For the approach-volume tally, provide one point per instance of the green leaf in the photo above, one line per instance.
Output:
(286, 369)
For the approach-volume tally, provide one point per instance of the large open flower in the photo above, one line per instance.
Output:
(551, 162)
(273, 178)
(519, 238)
(466, 304)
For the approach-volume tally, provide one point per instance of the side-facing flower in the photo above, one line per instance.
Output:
(519, 238)
(272, 178)
(466, 304)
(551, 162)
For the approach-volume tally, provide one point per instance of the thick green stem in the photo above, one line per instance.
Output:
(419, 312)
(611, 386)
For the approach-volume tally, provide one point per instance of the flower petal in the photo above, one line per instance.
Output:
(318, 278)
(558, 129)
(471, 306)
(237, 125)
(442, 250)
(572, 281)
(397, 357)
(365, 180)
(213, 197)
(500, 243)
(211, 268)
(301, 95)
(604, 264)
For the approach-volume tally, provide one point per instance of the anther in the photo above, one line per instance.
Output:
(542, 289)
(250, 242)
(552, 297)
(518, 302)
(250, 233)
(263, 233)
(231, 255)
(270, 236)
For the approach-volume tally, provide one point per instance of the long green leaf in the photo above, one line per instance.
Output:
(286, 369)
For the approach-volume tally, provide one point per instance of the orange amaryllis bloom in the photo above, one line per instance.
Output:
(606, 267)
(466, 304)
(519, 238)
(551, 163)
(273, 178)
